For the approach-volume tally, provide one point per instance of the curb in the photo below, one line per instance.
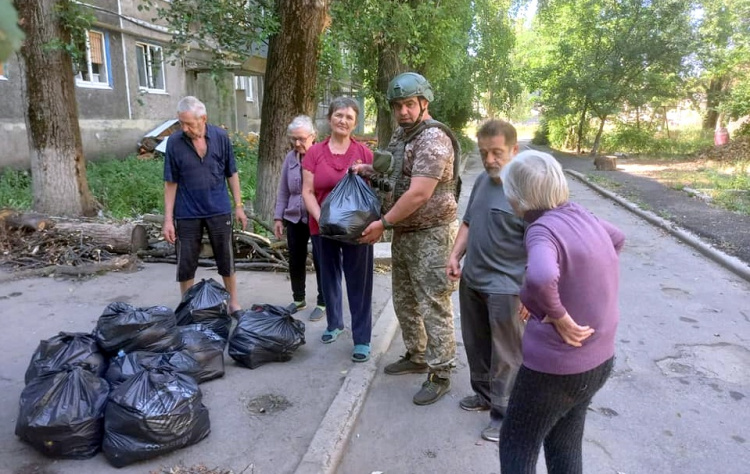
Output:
(731, 263)
(332, 436)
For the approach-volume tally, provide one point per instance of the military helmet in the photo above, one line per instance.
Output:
(409, 84)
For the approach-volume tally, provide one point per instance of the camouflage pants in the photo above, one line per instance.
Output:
(422, 295)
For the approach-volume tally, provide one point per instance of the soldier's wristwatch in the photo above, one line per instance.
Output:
(386, 224)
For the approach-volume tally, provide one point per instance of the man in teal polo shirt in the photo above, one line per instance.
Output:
(199, 163)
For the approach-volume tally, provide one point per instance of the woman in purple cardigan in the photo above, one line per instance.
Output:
(291, 215)
(570, 291)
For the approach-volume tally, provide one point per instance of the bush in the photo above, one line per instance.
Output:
(15, 189)
(467, 144)
(130, 187)
(541, 135)
(246, 155)
(628, 139)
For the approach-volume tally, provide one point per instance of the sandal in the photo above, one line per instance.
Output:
(330, 336)
(361, 353)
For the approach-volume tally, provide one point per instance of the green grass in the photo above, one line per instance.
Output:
(15, 189)
(728, 185)
(129, 187)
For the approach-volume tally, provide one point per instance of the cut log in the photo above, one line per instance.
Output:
(121, 263)
(26, 221)
(123, 238)
(605, 163)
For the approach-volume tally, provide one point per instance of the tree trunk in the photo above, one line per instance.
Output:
(58, 166)
(714, 92)
(125, 238)
(581, 125)
(289, 90)
(638, 118)
(597, 140)
(389, 65)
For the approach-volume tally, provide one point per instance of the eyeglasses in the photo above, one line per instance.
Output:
(294, 140)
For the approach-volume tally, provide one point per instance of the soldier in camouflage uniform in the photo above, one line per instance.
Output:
(422, 213)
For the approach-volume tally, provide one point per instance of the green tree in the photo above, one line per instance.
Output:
(722, 56)
(593, 57)
(492, 41)
(10, 34)
(387, 37)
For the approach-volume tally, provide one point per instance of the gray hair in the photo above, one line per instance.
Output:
(301, 121)
(534, 180)
(343, 103)
(191, 104)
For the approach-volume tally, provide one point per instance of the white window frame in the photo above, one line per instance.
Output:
(246, 83)
(80, 81)
(149, 64)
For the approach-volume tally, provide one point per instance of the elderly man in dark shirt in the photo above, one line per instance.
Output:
(199, 163)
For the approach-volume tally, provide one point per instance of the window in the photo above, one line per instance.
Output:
(150, 62)
(247, 84)
(92, 70)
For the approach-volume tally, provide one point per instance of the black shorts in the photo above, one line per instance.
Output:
(189, 236)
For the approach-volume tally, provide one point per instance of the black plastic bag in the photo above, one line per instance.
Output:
(155, 412)
(123, 327)
(66, 349)
(206, 347)
(125, 366)
(265, 333)
(347, 211)
(206, 303)
(62, 413)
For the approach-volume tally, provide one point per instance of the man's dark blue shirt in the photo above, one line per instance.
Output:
(201, 183)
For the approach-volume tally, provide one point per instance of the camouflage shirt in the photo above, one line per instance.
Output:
(429, 155)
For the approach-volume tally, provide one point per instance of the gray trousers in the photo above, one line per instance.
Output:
(492, 333)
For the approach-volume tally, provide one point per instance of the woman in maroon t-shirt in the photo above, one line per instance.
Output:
(325, 164)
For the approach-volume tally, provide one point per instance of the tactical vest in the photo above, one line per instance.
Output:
(400, 182)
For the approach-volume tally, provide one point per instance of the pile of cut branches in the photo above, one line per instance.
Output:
(738, 149)
(252, 251)
(33, 245)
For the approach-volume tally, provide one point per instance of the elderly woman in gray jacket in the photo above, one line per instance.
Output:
(291, 214)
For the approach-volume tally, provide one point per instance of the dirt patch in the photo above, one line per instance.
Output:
(267, 404)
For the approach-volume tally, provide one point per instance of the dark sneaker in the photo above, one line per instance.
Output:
(432, 390)
(406, 366)
(492, 432)
(317, 313)
(296, 306)
(473, 403)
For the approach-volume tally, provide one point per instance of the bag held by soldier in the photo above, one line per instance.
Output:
(347, 211)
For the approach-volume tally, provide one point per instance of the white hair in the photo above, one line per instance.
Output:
(301, 121)
(191, 104)
(534, 180)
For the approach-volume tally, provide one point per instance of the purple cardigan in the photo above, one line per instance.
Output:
(573, 266)
(289, 204)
